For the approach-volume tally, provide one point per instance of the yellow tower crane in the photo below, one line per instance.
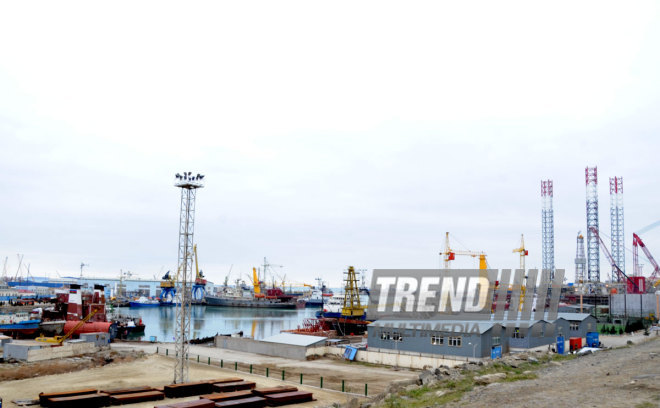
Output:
(522, 251)
(450, 254)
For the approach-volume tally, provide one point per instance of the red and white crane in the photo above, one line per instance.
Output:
(621, 276)
(637, 243)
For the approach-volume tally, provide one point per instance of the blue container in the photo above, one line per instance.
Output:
(496, 352)
(561, 345)
(151, 339)
(592, 339)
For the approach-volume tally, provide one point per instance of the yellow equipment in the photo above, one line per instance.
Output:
(169, 281)
(522, 251)
(255, 281)
(197, 274)
(61, 339)
(449, 255)
(352, 306)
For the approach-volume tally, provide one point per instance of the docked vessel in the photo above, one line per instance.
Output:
(19, 324)
(352, 316)
(249, 302)
(128, 325)
(241, 296)
(320, 294)
(144, 302)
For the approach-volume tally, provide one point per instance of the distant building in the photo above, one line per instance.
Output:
(115, 287)
(437, 337)
(478, 339)
(575, 325)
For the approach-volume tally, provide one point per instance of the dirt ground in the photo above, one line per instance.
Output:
(333, 371)
(624, 377)
(152, 370)
(156, 370)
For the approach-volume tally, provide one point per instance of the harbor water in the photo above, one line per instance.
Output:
(208, 321)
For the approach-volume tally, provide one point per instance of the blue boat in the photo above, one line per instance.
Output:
(144, 302)
(19, 324)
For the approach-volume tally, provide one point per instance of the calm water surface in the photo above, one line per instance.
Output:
(209, 320)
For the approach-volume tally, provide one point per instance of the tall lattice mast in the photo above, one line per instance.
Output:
(185, 276)
(580, 261)
(548, 228)
(593, 256)
(616, 219)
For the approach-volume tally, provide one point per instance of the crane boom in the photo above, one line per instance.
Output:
(620, 274)
(450, 254)
(637, 242)
(61, 339)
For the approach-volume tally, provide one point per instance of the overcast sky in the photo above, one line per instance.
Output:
(330, 134)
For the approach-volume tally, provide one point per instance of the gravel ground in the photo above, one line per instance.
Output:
(624, 377)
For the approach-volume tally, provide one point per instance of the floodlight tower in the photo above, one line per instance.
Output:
(548, 228)
(185, 279)
(593, 256)
(616, 219)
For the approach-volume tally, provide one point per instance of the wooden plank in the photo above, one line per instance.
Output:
(134, 397)
(201, 403)
(82, 401)
(43, 396)
(226, 396)
(288, 398)
(252, 402)
(224, 380)
(234, 386)
(187, 389)
(273, 390)
(118, 391)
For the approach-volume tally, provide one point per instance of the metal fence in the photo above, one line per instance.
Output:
(308, 380)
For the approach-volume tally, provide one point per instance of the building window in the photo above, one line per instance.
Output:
(385, 336)
(455, 341)
(517, 334)
(496, 341)
(575, 326)
(396, 336)
(437, 340)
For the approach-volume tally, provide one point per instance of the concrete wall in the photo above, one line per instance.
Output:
(17, 351)
(31, 352)
(66, 350)
(261, 347)
(99, 339)
(648, 305)
(401, 359)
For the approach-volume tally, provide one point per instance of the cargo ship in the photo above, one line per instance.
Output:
(274, 298)
(255, 301)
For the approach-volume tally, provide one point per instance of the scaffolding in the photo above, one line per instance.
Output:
(616, 219)
(185, 278)
(593, 254)
(548, 228)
